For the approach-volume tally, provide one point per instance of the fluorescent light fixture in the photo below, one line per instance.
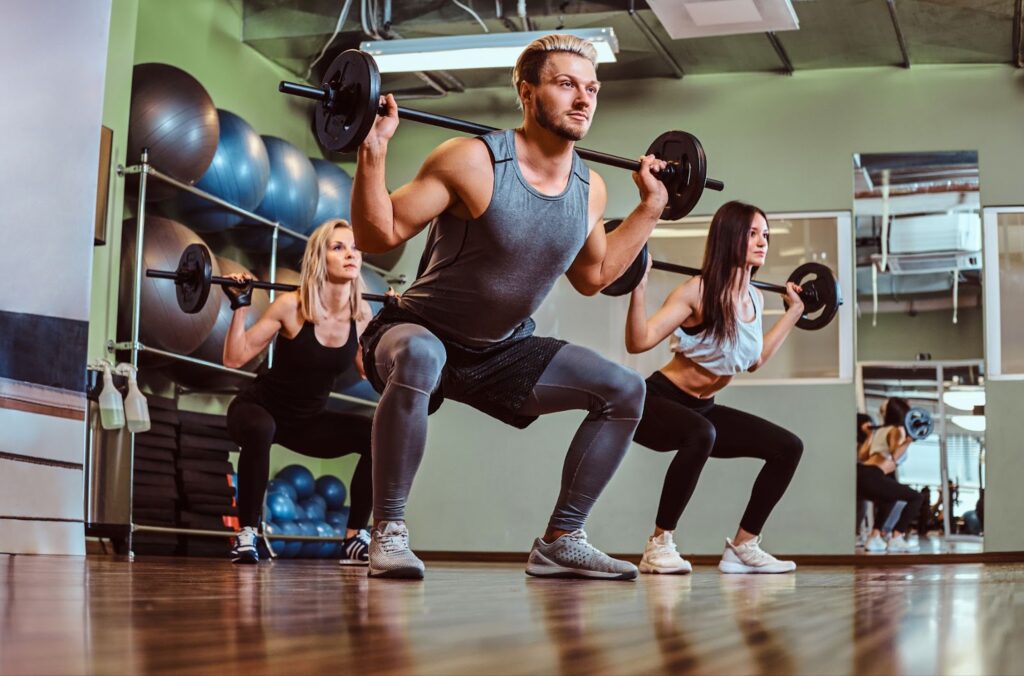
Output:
(705, 18)
(964, 400)
(971, 423)
(483, 50)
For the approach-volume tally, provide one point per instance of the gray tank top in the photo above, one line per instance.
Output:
(481, 278)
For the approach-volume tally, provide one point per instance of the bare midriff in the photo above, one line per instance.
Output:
(692, 378)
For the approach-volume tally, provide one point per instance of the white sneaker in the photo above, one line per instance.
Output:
(900, 544)
(876, 544)
(389, 553)
(661, 556)
(914, 542)
(750, 558)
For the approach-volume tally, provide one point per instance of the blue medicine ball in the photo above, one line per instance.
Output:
(315, 508)
(279, 508)
(238, 174)
(338, 518)
(279, 486)
(310, 549)
(300, 478)
(332, 489)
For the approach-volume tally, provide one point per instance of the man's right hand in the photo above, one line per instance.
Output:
(653, 192)
(384, 126)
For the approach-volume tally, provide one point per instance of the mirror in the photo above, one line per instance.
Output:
(919, 344)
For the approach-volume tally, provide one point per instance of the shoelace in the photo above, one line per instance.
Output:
(246, 537)
(363, 536)
(757, 554)
(394, 543)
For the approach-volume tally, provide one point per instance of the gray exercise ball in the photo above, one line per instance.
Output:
(174, 117)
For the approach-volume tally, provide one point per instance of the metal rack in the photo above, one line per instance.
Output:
(145, 171)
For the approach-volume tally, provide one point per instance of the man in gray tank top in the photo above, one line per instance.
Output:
(511, 212)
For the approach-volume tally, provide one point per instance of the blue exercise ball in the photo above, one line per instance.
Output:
(270, 529)
(280, 486)
(238, 174)
(325, 530)
(335, 188)
(290, 198)
(300, 478)
(310, 549)
(338, 518)
(315, 507)
(332, 489)
(280, 508)
(292, 548)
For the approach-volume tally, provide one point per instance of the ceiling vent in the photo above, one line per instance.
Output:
(705, 18)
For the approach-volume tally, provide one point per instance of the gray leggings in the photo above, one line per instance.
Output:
(409, 359)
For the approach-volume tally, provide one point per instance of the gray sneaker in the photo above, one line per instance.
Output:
(390, 555)
(572, 556)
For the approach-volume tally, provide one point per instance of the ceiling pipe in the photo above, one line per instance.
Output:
(899, 32)
(780, 51)
(652, 38)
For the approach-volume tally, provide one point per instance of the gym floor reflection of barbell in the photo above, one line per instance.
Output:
(349, 98)
(194, 277)
(820, 289)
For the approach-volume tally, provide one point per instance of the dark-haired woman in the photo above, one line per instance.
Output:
(878, 457)
(715, 320)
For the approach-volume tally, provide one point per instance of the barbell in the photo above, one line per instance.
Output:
(918, 423)
(820, 289)
(349, 98)
(194, 277)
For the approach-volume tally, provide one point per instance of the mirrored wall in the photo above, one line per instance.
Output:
(919, 344)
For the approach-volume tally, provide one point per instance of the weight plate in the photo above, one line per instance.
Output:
(918, 423)
(192, 286)
(344, 120)
(821, 293)
(686, 181)
(633, 275)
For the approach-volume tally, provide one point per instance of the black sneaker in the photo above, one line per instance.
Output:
(355, 551)
(244, 550)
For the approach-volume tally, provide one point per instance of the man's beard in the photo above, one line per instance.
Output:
(547, 121)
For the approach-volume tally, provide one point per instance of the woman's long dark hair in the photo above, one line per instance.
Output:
(896, 409)
(725, 256)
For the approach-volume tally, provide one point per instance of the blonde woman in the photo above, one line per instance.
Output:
(317, 330)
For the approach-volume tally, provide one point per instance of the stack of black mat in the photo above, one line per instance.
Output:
(155, 494)
(204, 480)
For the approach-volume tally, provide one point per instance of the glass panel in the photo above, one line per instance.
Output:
(1011, 290)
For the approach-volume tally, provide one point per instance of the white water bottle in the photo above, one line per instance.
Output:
(136, 410)
(111, 404)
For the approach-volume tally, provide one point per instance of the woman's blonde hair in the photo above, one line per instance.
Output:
(533, 58)
(314, 275)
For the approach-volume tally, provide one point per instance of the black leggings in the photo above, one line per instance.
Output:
(874, 484)
(325, 435)
(698, 429)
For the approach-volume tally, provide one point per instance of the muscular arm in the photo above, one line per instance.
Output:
(605, 257)
(240, 345)
(643, 333)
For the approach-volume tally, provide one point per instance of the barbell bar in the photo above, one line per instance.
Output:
(820, 289)
(194, 277)
(349, 98)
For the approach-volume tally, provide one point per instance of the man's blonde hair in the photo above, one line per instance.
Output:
(313, 277)
(532, 60)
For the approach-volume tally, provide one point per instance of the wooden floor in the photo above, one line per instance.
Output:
(103, 616)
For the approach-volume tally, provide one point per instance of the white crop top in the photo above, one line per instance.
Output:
(730, 357)
(880, 443)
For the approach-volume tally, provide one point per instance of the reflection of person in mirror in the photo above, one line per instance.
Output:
(877, 458)
(715, 322)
